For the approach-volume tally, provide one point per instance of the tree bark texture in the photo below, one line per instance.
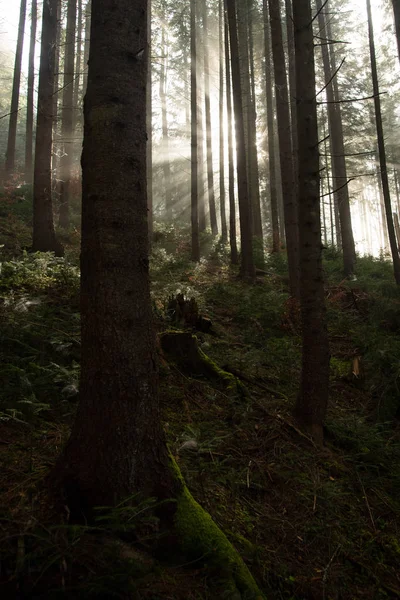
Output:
(194, 141)
(231, 169)
(29, 98)
(337, 146)
(44, 238)
(247, 268)
(396, 11)
(222, 192)
(271, 167)
(207, 106)
(67, 115)
(12, 127)
(313, 395)
(164, 117)
(88, 9)
(149, 128)
(285, 147)
(382, 152)
(117, 445)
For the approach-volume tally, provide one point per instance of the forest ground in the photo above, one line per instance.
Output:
(310, 523)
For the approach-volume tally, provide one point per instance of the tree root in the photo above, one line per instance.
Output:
(201, 538)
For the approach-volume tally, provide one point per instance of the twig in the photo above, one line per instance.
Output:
(367, 503)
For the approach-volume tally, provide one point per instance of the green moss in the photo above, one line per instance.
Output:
(230, 381)
(202, 539)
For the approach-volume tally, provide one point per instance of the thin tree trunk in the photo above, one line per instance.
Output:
(194, 128)
(292, 83)
(253, 155)
(312, 400)
(44, 238)
(164, 118)
(285, 148)
(337, 145)
(247, 262)
(86, 46)
(29, 99)
(396, 11)
(67, 115)
(56, 93)
(384, 231)
(276, 242)
(396, 185)
(149, 128)
(78, 67)
(222, 193)
(201, 198)
(382, 152)
(12, 127)
(231, 172)
(210, 169)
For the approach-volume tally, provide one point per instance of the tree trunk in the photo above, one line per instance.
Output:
(164, 117)
(56, 149)
(222, 194)
(29, 98)
(254, 175)
(231, 172)
(336, 132)
(67, 115)
(276, 242)
(44, 238)
(78, 67)
(285, 147)
(149, 127)
(292, 83)
(382, 151)
(12, 127)
(86, 46)
(201, 198)
(117, 444)
(210, 168)
(313, 396)
(194, 129)
(396, 11)
(247, 269)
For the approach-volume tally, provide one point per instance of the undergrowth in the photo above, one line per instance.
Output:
(309, 523)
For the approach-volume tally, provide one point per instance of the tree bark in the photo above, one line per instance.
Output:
(117, 445)
(67, 115)
(285, 148)
(194, 129)
(247, 268)
(149, 128)
(164, 117)
(396, 11)
(312, 400)
(273, 191)
(292, 83)
(382, 152)
(44, 238)
(12, 127)
(222, 193)
(29, 99)
(231, 171)
(207, 105)
(338, 151)
(86, 47)
(254, 176)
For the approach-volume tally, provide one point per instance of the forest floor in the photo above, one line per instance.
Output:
(310, 523)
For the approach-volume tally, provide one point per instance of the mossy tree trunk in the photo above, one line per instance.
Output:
(313, 395)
